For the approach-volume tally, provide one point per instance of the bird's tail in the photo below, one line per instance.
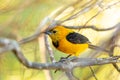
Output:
(97, 48)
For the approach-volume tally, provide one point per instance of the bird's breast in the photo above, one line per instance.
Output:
(71, 48)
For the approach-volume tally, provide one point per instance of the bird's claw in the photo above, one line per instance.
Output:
(62, 59)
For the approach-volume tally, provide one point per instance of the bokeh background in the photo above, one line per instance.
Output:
(20, 18)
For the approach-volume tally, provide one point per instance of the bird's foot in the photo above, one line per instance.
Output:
(63, 60)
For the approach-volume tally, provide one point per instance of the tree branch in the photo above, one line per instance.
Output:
(50, 51)
(85, 9)
(36, 34)
(92, 27)
(70, 63)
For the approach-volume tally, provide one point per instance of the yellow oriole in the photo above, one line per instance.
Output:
(68, 41)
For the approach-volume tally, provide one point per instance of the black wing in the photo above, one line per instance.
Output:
(77, 38)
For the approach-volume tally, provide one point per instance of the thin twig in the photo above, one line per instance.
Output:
(60, 11)
(93, 73)
(116, 45)
(87, 8)
(43, 57)
(90, 27)
(112, 45)
(50, 51)
(72, 11)
(40, 30)
(109, 6)
(91, 18)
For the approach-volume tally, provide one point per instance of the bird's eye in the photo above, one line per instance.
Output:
(54, 31)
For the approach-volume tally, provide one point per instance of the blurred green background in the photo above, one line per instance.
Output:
(20, 18)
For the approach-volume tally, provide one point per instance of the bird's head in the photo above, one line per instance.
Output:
(58, 33)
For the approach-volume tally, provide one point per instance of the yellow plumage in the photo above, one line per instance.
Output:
(70, 48)
(60, 38)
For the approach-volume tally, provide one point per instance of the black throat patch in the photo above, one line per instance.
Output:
(56, 44)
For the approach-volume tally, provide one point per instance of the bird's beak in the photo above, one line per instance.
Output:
(48, 32)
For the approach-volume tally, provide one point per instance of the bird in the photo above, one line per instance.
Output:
(68, 41)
